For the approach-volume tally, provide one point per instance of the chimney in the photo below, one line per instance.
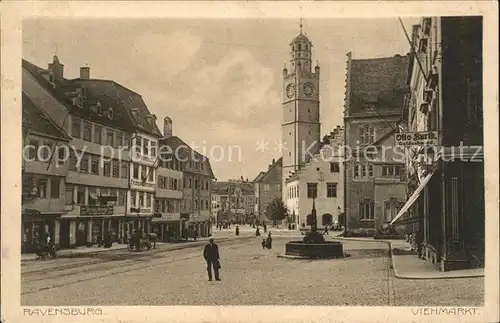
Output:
(273, 161)
(167, 127)
(85, 73)
(57, 69)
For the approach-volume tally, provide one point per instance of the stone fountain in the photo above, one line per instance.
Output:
(313, 245)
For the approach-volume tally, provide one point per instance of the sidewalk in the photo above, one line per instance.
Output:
(409, 266)
(92, 250)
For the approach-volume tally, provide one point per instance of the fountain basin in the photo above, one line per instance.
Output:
(316, 250)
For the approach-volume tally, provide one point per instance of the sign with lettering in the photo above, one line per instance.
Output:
(424, 138)
(141, 183)
(96, 210)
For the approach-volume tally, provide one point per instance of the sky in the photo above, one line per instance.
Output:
(219, 80)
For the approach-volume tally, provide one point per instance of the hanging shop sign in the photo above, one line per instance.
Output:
(424, 138)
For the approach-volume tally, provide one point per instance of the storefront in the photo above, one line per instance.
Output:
(34, 223)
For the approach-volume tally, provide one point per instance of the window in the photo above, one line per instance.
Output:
(141, 199)
(133, 198)
(109, 137)
(331, 190)
(116, 169)
(72, 161)
(190, 183)
(267, 188)
(136, 171)
(76, 127)
(391, 171)
(68, 195)
(124, 170)
(94, 165)
(118, 140)
(148, 199)
(175, 184)
(312, 190)
(157, 206)
(126, 140)
(121, 197)
(356, 171)
(202, 166)
(98, 134)
(206, 185)
(110, 113)
(145, 146)
(144, 172)
(54, 187)
(84, 164)
(363, 171)
(151, 175)
(366, 210)
(153, 148)
(33, 152)
(61, 154)
(80, 195)
(366, 134)
(196, 186)
(107, 169)
(87, 131)
(370, 170)
(206, 204)
(334, 168)
(45, 151)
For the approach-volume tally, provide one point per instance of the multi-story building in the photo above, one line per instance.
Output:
(322, 179)
(301, 119)
(104, 120)
(168, 195)
(236, 200)
(216, 204)
(375, 94)
(267, 187)
(446, 173)
(195, 209)
(43, 176)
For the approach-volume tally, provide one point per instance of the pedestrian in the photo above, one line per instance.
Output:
(257, 232)
(211, 256)
(195, 234)
(263, 243)
(237, 230)
(269, 241)
(325, 231)
(265, 228)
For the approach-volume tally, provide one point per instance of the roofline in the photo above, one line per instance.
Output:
(380, 58)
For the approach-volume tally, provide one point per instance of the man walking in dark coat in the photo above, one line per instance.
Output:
(211, 255)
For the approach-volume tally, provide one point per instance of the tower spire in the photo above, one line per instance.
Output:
(301, 25)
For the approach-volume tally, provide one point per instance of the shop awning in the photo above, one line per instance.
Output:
(413, 197)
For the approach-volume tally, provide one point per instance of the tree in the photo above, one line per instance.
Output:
(276, 210)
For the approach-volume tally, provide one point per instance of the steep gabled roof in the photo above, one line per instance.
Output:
(259, 177)
(39, 122)
(278, 163)
(187, 152)
(109, 93)
(382, 81)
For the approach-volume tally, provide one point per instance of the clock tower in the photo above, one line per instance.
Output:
(301, 126)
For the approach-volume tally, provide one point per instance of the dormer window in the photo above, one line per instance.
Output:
(51, 78)
(99, 108)
(135, 113)
(110, 113)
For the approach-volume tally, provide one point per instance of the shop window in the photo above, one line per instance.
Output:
(55, 187)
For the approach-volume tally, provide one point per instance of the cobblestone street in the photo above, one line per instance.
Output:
(250, 276)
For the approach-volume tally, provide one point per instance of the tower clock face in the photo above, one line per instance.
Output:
(308, 89)
(290, 91)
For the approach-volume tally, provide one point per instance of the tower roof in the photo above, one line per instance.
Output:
(301, 38)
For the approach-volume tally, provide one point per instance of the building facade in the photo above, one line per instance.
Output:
(195, 208)
(235, 200)
(43, 177)
(321, 179)
(301, 120)
(445, 184)
(104, 120)
(267, 187)
(375, 94)
(168, 194)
